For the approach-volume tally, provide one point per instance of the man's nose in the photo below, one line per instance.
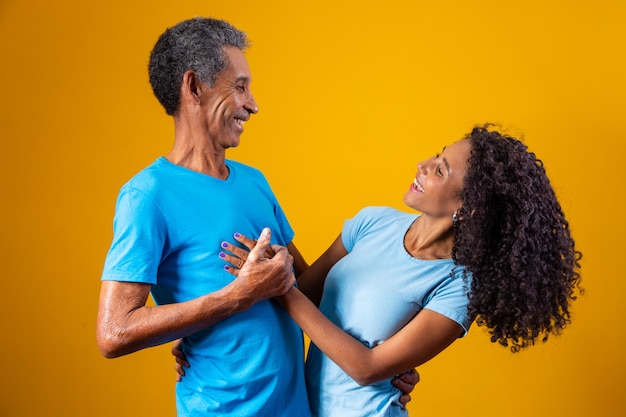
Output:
(251, 105)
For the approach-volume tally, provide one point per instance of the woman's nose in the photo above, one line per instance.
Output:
(425, 166)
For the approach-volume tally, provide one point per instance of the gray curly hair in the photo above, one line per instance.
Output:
(196, 44)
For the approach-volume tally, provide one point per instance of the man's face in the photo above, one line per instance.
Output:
(229, 103)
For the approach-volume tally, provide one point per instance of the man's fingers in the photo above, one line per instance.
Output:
(411, 376)
(406, 382)
(262, 245)
(404, 400)
(180, 358)
(277, 249)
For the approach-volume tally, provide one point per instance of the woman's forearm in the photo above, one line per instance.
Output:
(346, 351)
(311, 281)
(427, 334)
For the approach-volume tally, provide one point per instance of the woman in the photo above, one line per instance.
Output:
(491, 244)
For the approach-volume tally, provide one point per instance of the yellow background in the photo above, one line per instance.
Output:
(352, 95)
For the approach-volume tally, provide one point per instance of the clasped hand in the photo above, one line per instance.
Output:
(265, 270)
(268, 270)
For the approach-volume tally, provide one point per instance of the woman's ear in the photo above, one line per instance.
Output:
(457, 215)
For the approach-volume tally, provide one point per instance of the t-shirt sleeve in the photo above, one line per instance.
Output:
(286, 230)
(355, 227)
(450, 299)
(138, 239)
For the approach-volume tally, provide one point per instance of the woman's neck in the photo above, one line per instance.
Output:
(429, 238)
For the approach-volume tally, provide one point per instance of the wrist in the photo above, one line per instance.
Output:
(241, 297)
(292, 292)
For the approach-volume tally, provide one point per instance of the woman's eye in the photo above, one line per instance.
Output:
(440, 171)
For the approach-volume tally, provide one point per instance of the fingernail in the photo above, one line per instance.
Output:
(222, 255)
(225, 245)
(237, 235)
(226, 268)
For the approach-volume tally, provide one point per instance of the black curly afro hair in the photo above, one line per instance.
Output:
(513, 237)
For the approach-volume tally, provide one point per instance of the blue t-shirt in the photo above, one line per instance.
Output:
(168, 226)
(371, 293)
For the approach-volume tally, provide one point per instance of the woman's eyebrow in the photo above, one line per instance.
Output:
(445, 162)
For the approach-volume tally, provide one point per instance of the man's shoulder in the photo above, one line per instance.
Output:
(150, 178)
(147, 172)
(242, 167)
(240, 170)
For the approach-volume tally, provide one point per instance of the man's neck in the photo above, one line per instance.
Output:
(194, 150)
(211, 164)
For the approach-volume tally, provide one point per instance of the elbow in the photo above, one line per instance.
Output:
(110, 343)
(364, 377)
(364, 371)
(108, 354)
(369, 372)
(364, 380)
(108, 348)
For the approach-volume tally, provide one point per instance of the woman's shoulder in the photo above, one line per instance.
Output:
(383, 213)
(380, 217)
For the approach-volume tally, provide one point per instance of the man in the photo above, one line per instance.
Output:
(244, 351)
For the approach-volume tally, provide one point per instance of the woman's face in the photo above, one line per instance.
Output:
(436, 189)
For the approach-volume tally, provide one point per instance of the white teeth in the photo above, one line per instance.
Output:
(418, 185)
(240, 122)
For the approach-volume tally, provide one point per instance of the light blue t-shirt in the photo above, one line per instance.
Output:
(371, 293)
(168, 226)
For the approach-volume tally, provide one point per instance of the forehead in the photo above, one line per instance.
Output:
(458, 149)
(457, 153)
(237, 67)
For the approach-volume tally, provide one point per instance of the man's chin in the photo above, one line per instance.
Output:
(232, 143)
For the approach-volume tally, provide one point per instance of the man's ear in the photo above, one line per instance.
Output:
(191, 86)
